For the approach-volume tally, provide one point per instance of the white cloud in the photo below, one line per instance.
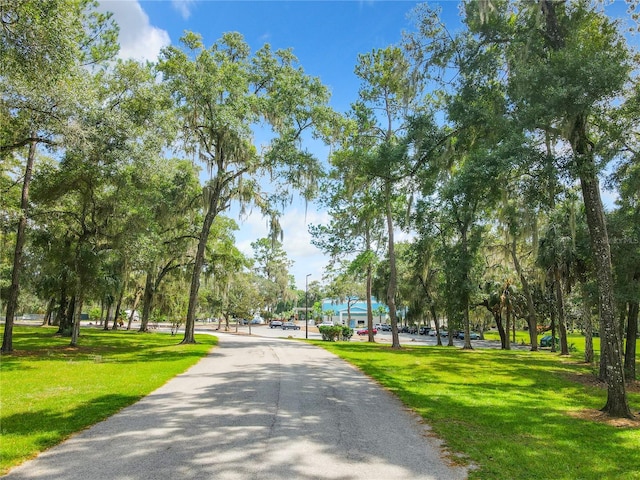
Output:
(296, 241)
(138, 38)
(183, 6)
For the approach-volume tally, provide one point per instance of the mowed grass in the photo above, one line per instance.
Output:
(49, 390)
(508, 414)
(575, 341)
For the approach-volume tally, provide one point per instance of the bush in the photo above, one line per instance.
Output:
(346, 333)
(335, 333)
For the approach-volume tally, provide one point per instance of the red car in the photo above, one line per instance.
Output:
(365, 331)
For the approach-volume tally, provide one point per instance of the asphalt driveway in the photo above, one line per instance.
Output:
(254, 408)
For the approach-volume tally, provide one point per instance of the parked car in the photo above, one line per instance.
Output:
(546, 341)
(423, 330)
(324, 324)
(365, 331)
(444, 333)
(275, 323)
(385, 327)
(431, 333)
(472, 336)
(290, 326)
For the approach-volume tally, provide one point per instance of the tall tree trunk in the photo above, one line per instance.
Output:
(630, 346)
(123, 288)
(62, 304)
(78, 299)
(564, 344)
(77, 313)
(369, 294)
(505, 304)
(617, 404)
(12, 302)
(101, 322)
(134, 307)
(51, 305)
(69, 316)
(212, 212)
(497, 316)
(109, 310)
(369, 306)
(436, 324)
(507, 321)
(587, 327)
(66, 316)
(116, 316)
(526, 289)
(553, 326)
(147, 302)
(467, 331)
(393, 273)
(465, 299)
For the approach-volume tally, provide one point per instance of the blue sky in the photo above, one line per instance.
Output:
(326, 36)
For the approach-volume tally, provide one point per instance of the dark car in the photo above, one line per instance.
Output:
(290, 326)
(472, 336)
(364, 331)
(275, 323)
(423, 330)
(546, 341)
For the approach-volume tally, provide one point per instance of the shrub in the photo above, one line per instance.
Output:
(346, 333)
(335, 333)
(329, 334)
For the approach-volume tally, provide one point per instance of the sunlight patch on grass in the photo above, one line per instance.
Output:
(50, 390)
(508, 412)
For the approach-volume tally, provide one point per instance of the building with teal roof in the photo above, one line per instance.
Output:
(337, 312)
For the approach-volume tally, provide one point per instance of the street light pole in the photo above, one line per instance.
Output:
(306, 306)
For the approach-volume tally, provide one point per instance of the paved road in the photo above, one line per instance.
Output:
(254, 408)
(406, 339)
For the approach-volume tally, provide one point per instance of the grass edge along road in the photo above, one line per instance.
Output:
(49, 390)
(509, 414)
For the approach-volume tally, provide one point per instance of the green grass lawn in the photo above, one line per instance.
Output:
(49, 390)
(575, 341)
(511, 414)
